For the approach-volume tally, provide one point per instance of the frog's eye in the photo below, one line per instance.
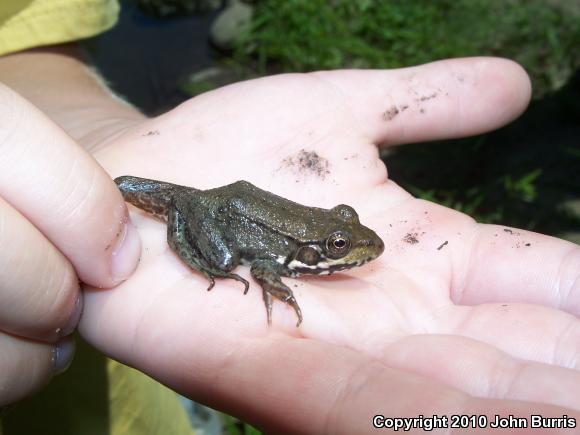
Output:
(338, 244)
(308, 255)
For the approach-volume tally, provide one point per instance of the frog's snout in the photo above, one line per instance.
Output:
(371, 247)
(380, 246)
(376, 247)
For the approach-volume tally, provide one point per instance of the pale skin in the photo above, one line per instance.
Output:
(484, 325)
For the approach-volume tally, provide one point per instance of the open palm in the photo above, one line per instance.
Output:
(454, 317)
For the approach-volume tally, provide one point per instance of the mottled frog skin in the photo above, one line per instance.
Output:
(215, 230)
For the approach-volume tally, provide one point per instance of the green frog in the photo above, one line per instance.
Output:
(215, 230)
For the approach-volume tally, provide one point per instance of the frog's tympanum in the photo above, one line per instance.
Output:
(214, 230)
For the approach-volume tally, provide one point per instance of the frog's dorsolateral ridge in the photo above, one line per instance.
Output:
(214, 230)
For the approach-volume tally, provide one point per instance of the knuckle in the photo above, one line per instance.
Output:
(38, 286)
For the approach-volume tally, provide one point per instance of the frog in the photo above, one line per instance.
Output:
(214, 230)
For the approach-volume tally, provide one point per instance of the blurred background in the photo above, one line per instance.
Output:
(526, 174)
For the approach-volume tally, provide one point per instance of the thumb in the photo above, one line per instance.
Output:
(65, 193)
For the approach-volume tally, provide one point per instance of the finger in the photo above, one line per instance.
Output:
(511, 265)
(64, 193)
(484, 371)
(39, 291)
(528, 332)
(26, 366)
(444, 99)
(303, 386)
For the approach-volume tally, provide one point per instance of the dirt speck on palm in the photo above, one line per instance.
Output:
(411, 238)
(307, 163)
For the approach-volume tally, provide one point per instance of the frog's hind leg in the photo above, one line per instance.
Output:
(150, 195)
(190, 253)
(268, 275)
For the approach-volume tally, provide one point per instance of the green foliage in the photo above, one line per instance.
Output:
(302, 35)
(305, 35)
(198, 87)
(521, 188)
(574, 152)
(233, 426)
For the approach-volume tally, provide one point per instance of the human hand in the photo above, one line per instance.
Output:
(484, 324)
(61, 219)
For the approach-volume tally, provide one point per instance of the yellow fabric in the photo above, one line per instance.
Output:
(32, 23)
(140, 405)
(99, 396)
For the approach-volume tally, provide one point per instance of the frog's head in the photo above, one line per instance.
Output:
(345, 243)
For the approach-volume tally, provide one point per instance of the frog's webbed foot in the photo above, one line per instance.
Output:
(266, 273)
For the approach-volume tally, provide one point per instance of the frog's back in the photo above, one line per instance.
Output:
(274, 212)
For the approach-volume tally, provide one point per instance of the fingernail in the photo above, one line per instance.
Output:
(73, 321)
(62, 355)
(126, 254)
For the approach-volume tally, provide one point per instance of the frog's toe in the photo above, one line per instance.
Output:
(211, 282)
(268, 302)
(292, 302)
(240, 279)
(299, 320)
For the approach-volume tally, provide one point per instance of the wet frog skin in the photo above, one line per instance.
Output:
(215, 230)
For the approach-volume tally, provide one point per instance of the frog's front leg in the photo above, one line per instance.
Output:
(267, 273)
(189, 251)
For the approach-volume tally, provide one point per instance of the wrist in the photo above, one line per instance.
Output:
(58, 82)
